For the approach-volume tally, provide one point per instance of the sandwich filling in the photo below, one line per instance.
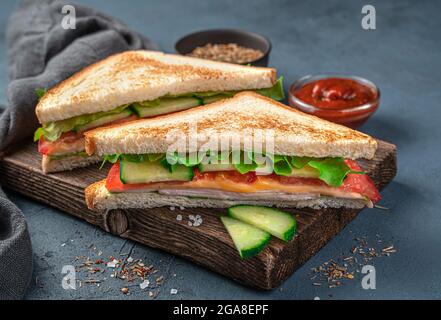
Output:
(65, 138)
(282, 178)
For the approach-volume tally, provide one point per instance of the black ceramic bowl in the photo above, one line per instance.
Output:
(246, 39)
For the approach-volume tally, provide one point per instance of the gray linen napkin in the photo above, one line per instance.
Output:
(41, 53)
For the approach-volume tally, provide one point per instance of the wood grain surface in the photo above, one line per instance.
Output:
(208, 245)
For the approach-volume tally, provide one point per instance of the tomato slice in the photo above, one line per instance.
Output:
(114, 183)
(69, 142)
(360, 183)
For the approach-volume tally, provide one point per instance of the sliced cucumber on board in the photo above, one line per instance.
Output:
(249, 240)
(167, 105)
(152, 171)
(278, 223)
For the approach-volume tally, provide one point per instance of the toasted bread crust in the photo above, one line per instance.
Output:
(92, 192)
(49, 165)
(295, 133)
(134, 76)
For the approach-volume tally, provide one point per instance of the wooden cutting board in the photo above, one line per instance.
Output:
(209, 244)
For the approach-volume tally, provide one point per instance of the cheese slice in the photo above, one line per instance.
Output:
(262, 183)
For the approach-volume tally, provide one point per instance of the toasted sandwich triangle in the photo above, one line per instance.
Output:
(135, 76)
(293, 132)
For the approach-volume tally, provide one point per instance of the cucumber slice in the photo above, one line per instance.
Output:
(148, 171)
(278, 223)
(216, 167)
(215, 98)
(305, 172)
(249, 240)
(166, 105)
(104, 120)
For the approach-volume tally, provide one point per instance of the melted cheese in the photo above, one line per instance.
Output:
(261, 184)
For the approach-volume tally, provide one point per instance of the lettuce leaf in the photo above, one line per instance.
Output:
(247, 162)
(300, 162)
(333, 171)
(281, 165)
(53, 130)
(40, 92)
(275, 92)
(112, 158)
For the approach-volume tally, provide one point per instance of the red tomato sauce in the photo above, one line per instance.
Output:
(336, 100)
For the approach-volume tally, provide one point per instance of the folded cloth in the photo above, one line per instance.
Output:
(42, 53)
(15, 251)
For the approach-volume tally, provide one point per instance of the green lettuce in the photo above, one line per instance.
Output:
(281, 165)
(113, 158)
(300, 162)
(40, 92)
(332, 171)
(247, 162)
(275, 92)
(53, 130)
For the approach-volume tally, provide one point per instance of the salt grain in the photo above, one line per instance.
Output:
(112, 264)
(173, 291)
(144, 284)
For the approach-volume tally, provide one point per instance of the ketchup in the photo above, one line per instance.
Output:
(341, 100)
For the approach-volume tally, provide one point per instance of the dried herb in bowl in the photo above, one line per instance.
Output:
(229, 52)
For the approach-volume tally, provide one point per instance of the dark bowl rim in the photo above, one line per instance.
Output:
(231, 30)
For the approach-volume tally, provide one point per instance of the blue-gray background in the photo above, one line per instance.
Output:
(402, 56)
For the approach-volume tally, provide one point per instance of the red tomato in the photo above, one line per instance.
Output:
(68, 142)
(114, 183)
(360, 183)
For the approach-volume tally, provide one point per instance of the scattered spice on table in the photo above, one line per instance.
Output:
(226, 52)
(334, 272)
(133, 272)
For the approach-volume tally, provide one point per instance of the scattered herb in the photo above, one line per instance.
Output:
(335, 272)
(40, 92)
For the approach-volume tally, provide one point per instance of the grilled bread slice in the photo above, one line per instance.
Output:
(294, 132)
(134, 76)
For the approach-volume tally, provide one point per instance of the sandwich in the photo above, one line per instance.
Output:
(248, 149)
(133, 85)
